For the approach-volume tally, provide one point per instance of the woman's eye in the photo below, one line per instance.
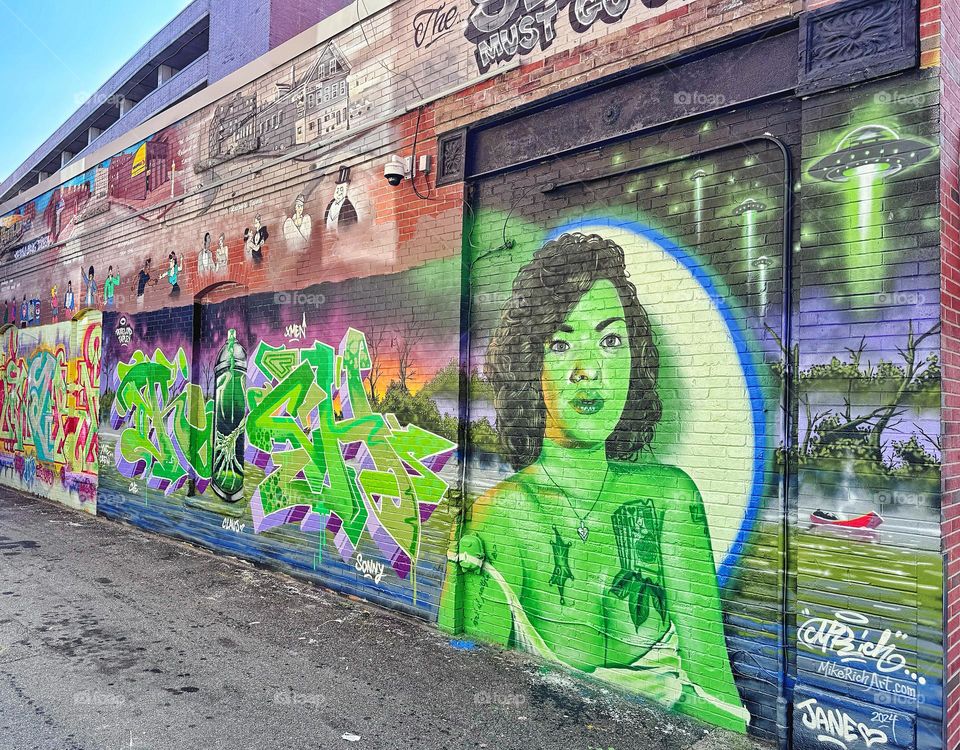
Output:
(611, 341)
(559, 346)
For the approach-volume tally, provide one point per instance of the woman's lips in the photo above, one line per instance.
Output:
(587, 403)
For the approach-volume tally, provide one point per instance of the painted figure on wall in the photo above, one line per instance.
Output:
(90, 289)
(54, 304)
(254, 240)
(110, 285)
(143, 278)
(24, 312)
(615, 572)
(297, 228)
(205, 263)
(340, 211)
(69, 303)
(172, 274)
(222, 254)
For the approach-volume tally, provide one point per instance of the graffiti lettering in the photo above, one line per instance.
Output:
(847, 635)
(31, 248)
(85, 402)
(328, 461)
(49, 405)
(232, 524)
(167, 435)
(837, 727)
(359, 470)
(297, 331)
(372, 569)
(123, 332)
(503, 29)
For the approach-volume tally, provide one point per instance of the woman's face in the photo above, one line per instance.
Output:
(586, 370)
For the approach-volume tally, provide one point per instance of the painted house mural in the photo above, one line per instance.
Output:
(309, 105)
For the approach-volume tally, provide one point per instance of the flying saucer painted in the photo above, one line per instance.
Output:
(750, 204)
(876, 149)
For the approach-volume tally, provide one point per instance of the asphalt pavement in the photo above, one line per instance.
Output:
(115, 639)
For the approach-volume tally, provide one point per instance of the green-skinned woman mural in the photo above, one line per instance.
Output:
(592, 553)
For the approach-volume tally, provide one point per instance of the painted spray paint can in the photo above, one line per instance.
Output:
(229, 410)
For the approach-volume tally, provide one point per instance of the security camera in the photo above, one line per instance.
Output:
(395, 170)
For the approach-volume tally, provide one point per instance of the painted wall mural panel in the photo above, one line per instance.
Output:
(868, 443)
(621, 325)
(255, 435)
(49, 410)
(332, 227)
(603, 275)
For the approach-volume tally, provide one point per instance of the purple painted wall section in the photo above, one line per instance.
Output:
(238, 34)
(289, 17)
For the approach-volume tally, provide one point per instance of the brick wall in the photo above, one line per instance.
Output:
(868, 334)
(930, 33)
(682, 231)
(950, 302)
(239, 33)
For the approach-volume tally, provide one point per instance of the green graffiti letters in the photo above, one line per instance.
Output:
(315, 453)
(330, 461)
(167, 438)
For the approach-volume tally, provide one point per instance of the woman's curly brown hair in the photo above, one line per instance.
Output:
(544, 293)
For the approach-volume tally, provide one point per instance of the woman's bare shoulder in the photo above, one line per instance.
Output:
(656, 479)
(513, 497)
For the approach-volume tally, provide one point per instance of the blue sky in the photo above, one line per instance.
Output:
(56, 53)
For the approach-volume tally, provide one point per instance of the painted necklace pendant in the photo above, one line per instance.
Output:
(583, 531)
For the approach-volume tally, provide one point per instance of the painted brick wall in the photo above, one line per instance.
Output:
(868, 331)
(684, 227)
(49, 408)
